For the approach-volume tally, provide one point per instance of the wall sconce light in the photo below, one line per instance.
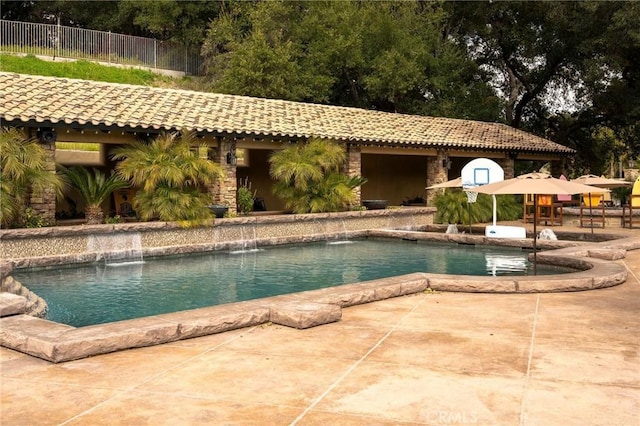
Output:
(47, 136)
(631, 163)
(446, 163)
(232, 160)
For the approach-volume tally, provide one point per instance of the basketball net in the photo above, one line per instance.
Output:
(471, 196)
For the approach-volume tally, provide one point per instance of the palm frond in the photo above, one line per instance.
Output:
(23, 168)
(169, 175)
(308, 179)
(94, 187)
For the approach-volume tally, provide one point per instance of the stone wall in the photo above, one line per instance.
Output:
(436, 173)
(36, 305)
(44, 202)
(37, 247)
(354, 168)
(224, 190)
(507, 165)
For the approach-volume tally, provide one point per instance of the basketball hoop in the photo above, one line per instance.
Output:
(471, 196)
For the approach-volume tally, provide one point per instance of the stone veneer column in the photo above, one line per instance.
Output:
(225, 189)
(354, 168)
(436, 173)
(44, 202)
(508, 165)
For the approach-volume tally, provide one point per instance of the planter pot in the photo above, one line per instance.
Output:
(219, 211)
(375, 204)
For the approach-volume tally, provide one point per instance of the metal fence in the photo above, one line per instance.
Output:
(78, 43)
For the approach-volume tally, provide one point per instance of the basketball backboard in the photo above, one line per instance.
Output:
(481, 171)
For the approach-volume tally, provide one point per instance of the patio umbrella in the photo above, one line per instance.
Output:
(600, 182)
(536, 183)
(453, 183)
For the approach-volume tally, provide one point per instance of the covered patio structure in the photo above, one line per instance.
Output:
(399, 154)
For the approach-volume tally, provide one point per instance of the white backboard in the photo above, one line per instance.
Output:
(481, 171)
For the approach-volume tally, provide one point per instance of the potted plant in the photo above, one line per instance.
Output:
(245, 197)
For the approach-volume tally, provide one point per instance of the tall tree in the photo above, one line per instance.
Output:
(180, 21)
(176, 20)
(391, 56)
(563, 69)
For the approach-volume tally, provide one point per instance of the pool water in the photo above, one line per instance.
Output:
(104, 293)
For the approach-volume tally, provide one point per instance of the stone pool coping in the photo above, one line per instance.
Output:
(56, 342)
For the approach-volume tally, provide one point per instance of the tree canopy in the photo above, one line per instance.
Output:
(565, 70)
(390, 56)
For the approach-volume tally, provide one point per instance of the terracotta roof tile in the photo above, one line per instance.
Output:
(39, 99)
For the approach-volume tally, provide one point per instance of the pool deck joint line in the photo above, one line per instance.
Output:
(56, 342)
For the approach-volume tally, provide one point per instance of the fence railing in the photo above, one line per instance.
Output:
(77, 43)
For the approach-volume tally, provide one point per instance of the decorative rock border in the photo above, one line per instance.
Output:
(59, 343)
(12, 304)
(32, 304)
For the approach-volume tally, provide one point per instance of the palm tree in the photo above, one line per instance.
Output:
(309, 179)
(22, 170)
(94, 187)
(453, 208)
(170, 178)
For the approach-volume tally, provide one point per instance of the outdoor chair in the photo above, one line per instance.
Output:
(549, 210)
(592, 210)
(628, 218)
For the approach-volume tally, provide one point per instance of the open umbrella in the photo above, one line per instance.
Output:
(536, 183)
(600, 182)
(453, 183)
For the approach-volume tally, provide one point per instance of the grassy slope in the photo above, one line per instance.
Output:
(86, 70)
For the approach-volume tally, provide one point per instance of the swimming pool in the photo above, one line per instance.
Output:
(101, 293)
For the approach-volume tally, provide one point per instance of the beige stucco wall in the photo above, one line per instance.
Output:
(258, 173)
(393, 177)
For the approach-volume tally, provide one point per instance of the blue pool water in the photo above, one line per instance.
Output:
(101, 293)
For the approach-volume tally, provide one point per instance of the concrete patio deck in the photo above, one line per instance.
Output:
(429, 358)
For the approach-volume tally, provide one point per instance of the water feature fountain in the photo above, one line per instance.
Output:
(405, 222)
(116, 249)
(336, 232)
(248, 242)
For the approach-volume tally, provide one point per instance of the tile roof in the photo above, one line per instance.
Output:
(37, 99)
